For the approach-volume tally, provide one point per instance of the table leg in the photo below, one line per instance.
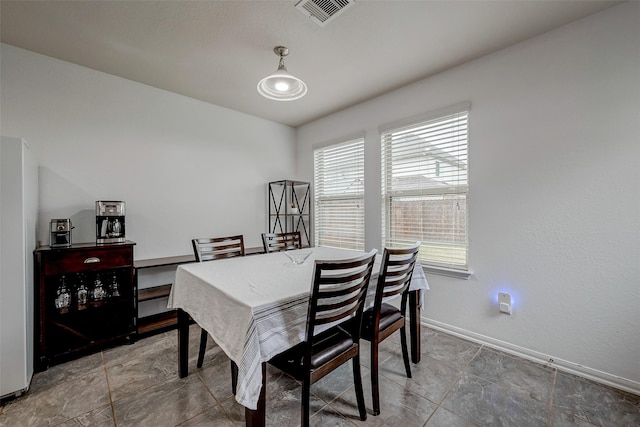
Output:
(183, 343)
(256, 418)
(414, 324)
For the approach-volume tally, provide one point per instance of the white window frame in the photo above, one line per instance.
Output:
(339, 194)
(434, 169)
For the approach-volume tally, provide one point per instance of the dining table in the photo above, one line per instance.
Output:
(255, 307)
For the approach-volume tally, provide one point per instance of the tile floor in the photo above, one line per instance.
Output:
(457, 383)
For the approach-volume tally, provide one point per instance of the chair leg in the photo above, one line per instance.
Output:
(357, 380)
(203, 346)
(375, 389)
(405, 350)
(306, 393)
(234, 377)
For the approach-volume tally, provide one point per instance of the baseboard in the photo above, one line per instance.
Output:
(620, 383)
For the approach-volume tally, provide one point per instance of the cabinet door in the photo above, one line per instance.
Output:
(87, 309)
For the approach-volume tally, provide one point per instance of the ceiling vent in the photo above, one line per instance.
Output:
(323, 11)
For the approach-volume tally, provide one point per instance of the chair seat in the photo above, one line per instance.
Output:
(332, 344)
(388, 316)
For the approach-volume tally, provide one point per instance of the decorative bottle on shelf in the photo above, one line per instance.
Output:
(98, 293)
(82, 293)
(63, 298)
(113, 288)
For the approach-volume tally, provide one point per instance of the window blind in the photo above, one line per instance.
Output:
(339, 195)
(425, 188)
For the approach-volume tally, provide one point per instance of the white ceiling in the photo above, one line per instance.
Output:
(217, 51)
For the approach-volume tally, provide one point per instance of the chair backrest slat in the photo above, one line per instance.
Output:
(326, 306)
(336, 279)
(276, 242)
(338, 315)
(206, 249)
(336, 292)
(396, 285)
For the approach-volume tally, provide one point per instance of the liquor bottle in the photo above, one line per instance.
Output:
(82, 293)
(113, 288)
(63, 299)
(98, 293)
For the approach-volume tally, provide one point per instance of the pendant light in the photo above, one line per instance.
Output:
(281, 85)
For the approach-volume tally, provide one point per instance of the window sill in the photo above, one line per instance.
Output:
(449, 272)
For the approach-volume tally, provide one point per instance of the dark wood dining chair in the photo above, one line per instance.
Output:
(275, 242)
(337, 302)
(207, 249)
(382, 320)
(218, 247)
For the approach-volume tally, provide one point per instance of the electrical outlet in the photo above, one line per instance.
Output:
(504, 301)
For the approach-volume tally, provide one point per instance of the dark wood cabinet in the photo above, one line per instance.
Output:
(85, 300)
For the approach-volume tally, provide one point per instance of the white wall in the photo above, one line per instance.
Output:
(554, 207)
(184, 168)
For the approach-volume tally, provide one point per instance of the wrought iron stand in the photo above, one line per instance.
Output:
(290, 208)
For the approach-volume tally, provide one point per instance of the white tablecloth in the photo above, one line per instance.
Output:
(255, 307)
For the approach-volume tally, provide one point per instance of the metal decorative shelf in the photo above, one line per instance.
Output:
(290, 208)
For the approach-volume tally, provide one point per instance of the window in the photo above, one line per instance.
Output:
(339, 195)
(425, 186)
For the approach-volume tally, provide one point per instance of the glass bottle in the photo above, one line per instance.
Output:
(63, 298)
(82, 293)
(98, 293)
(113, 288)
